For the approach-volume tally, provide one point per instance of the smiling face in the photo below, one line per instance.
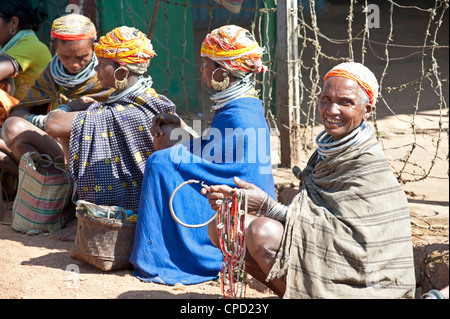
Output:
(207, 68)
(341, 107)
(74, 55)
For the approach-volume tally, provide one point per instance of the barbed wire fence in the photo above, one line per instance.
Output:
(429, 77)
(412, 70)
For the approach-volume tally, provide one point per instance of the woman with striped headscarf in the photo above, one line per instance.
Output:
(107, 144)
(237, 143)
(23, 56)
(69, 76)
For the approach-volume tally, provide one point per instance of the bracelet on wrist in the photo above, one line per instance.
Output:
(37, 120)
(433, 294)
(64, 108)
(191, 131)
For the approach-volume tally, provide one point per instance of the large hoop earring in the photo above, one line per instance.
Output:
(120, 84)
(220, 86)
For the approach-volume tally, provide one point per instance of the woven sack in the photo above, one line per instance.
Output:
(43, 193)
(104, 243)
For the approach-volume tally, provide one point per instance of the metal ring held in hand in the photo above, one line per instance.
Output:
(191, 181)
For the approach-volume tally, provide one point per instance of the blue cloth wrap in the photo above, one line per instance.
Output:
(166, 252)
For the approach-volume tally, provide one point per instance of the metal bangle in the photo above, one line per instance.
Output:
(433, 294)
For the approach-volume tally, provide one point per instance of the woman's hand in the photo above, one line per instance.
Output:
(256, 197)
(160, 119)
(81, 104)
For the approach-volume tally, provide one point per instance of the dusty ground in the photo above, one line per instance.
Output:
(40, 266)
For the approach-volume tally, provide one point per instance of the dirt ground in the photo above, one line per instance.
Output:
(40, 266)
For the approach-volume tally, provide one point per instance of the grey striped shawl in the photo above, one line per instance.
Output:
(348, 233)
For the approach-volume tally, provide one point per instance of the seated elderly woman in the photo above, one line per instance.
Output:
(347, 232)
(108, 143)
(237, 143)
(69, 76)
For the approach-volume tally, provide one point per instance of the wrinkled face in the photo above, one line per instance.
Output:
(105, 72)
(74, 55)
(340, 107)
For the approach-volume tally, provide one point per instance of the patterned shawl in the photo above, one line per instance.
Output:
(46, 91)
(126, 46)
(348, 233)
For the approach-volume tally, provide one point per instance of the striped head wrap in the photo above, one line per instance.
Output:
(73, 27)
(235, 49)
(358, 73)
(128, 47)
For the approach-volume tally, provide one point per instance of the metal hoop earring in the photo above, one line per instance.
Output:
(120, 84)
(220, 86)
(13, 31)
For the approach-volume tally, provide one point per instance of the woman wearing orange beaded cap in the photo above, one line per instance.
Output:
(347, 232)
(68, 76)
(231, 58)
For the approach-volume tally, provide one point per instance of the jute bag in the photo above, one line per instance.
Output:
(44, 191)
(104, 237)
(6, 103)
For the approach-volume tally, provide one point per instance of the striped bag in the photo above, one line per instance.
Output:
(44, 191)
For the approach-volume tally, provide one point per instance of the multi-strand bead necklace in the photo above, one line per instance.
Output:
(231, 229)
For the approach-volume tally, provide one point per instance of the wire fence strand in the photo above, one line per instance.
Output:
(412, 71)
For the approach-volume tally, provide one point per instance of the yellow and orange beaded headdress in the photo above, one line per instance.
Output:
(235, 49)
(126, 46)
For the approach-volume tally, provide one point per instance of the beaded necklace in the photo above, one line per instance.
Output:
(231, 228)
(231, 231)
(16, 38)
